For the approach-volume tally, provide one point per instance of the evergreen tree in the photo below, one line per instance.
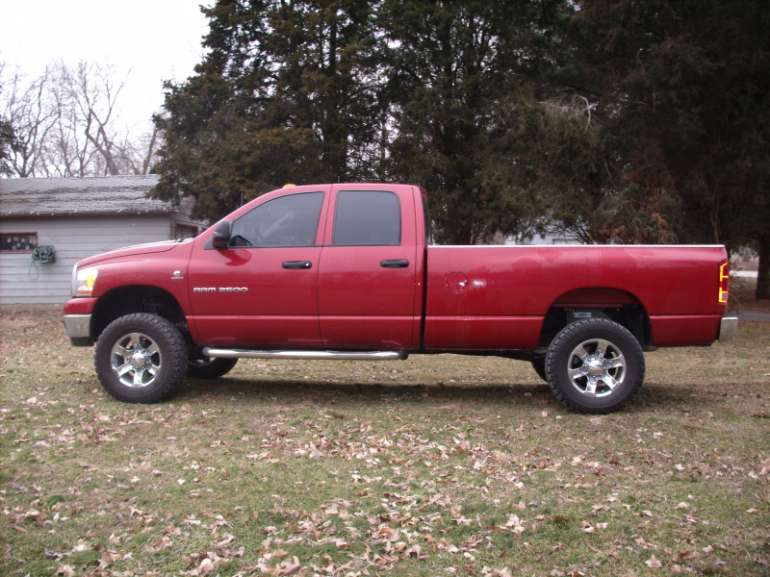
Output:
(684, 93)
(465, 84)
(283, 95)
(624, 120)
(444, 94)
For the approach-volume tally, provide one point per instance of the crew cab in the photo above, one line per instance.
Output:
(348, 271)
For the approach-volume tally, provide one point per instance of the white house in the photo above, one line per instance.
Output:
(76, 217)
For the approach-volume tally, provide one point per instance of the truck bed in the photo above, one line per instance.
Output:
(496, 297)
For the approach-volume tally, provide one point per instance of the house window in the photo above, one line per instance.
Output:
(18, 241)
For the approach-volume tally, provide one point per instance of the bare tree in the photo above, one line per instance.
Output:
(136, 156)
(95, 96)
(6, 133)
(64, 123)
(31, 119)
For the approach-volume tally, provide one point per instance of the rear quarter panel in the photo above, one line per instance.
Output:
(496, 297)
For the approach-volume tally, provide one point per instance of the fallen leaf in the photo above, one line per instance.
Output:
(653, 563)
(288, 567)
(206, 567)
(65, 571)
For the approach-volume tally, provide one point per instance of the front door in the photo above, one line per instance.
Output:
(263, 289)
(367, 279)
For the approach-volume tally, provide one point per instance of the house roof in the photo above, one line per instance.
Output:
(89, 196)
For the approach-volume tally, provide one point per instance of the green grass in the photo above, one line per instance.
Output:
(438, 465)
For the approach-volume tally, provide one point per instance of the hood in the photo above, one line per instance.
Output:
(133, 250)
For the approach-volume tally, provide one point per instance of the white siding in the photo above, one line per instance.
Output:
(22, 281)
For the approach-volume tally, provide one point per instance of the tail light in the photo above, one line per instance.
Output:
(724, 279)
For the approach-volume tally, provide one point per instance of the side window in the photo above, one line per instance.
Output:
(367, 217)
(289, 220)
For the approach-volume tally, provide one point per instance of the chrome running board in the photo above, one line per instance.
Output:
(305, 355)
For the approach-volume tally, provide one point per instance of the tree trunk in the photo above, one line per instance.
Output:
(763, 273)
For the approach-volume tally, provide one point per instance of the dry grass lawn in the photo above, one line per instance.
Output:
(437, 466)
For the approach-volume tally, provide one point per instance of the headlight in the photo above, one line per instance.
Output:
(84, 281)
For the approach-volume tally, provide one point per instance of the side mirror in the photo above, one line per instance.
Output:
(221, 238)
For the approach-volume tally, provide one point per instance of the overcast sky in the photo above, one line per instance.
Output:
(145, 41)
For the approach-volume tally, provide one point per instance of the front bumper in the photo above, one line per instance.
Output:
(78, 329)
(728, 328)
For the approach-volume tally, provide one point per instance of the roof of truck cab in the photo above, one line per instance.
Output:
(359, 185)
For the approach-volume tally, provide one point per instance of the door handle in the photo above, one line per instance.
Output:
(394, 263)
(297, 264)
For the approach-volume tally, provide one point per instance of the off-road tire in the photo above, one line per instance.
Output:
(172, 350)
(538, 364)
(212, 369)
(560, 354)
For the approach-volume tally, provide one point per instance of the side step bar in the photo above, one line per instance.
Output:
(306, 355)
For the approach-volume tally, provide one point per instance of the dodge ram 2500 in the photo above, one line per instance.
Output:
(347, 271)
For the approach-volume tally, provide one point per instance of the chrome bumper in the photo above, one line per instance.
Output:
(77, 326)
(728, 328)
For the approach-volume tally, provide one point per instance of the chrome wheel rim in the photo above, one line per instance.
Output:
(136, 360)
(596, 367)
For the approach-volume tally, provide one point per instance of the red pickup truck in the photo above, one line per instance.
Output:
(347, 271)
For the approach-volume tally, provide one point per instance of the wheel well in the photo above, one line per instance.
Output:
(136, 299)
(619, 306)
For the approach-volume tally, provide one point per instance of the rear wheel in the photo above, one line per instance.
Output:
(594, 366)
(141, 358)
(209, 368)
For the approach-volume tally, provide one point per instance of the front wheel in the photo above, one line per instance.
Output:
(594, 366)
(141, 358)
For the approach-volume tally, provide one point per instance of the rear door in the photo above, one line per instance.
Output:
(368, 269)
(263, 289)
